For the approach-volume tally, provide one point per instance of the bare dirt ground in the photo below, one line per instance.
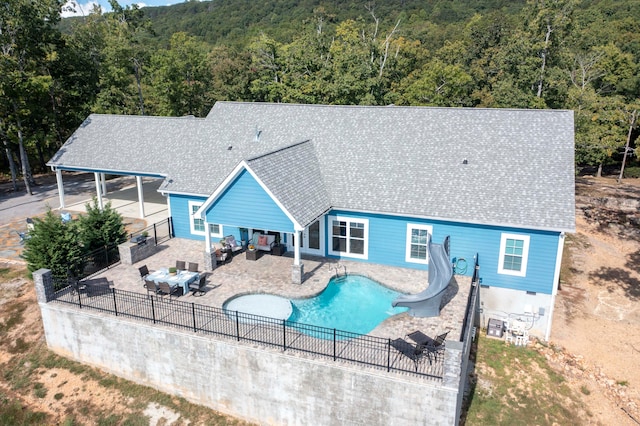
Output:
(596, 321)
(597, 314)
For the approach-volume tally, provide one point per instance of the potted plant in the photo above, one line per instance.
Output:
(172, 271)
(251, 247)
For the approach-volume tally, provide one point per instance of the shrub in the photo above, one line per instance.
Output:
(632, 172)
(54, 245)
(99, 228)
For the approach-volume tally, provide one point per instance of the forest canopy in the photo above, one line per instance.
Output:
(179, 60)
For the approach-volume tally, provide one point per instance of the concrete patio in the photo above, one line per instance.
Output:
(272, 275)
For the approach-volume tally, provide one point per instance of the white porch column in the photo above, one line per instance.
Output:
(103, 182)
(60, 187)
(98, 190)
(296, 249)
(140, 195)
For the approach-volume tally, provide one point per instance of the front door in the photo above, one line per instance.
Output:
(311, 240)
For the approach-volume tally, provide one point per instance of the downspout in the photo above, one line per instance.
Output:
(556, 285)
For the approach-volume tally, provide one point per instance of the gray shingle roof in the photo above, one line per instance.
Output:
(395, 160)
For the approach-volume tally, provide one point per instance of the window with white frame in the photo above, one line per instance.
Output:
(417, 239)
(349, 237)
(197, 225)
(514, 252)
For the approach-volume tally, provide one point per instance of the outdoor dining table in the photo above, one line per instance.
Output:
(181, 278)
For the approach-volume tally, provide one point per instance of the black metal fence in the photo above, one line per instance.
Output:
(160, 231)
(334, 344)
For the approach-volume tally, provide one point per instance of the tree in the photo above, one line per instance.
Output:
(182, 77)
(28, 36)
(54, 245)
(100, 228)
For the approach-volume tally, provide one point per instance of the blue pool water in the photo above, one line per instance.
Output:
(353, 303)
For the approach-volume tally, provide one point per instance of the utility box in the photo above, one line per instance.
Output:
(495, 328)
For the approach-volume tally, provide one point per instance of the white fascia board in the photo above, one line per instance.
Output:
(225, 184)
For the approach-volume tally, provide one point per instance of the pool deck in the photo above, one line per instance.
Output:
(272, 275)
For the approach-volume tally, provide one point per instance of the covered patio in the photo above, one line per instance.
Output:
(272, 275)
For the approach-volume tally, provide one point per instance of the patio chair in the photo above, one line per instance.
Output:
(180, 265)
(232, 244)
(414, 353)
(193, 267)
(198, 286)
(144, 271)
(431, 346)
(164, 288)
(150, 286)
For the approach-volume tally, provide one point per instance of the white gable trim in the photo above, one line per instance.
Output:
(227, 182)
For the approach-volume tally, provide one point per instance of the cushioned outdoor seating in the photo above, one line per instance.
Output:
(232, 244)
(263, 242)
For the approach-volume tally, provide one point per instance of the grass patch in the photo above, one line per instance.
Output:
(39, 390)
(13, 413)
(58, 396)
(585, 390)
(9, 274)
(515, 385)
(622, 383)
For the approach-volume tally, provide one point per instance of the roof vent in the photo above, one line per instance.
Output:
(229, 148)
(465, 161)
(258, 133)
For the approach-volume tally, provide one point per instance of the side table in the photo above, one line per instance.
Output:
(253, 254)
(278, 249)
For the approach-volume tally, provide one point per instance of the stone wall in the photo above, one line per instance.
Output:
(261, 385)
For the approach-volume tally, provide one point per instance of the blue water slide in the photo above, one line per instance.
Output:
(427, 302)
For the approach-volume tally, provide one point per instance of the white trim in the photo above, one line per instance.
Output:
(348, 219)
(525, 254)
(227, 182)
(421, 226)
(194, 216)
(556, 284)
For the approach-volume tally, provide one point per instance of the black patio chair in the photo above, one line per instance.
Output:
(414, 353)
(198, 286)
(144, 271)
(180, 265)
(164, 288)
(151, 287)
(193, 267)
(433, 346)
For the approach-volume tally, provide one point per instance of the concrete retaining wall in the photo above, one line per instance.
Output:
(265, 386)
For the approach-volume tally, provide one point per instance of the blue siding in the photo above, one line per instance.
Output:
(246, 204)
(387, 246)
(181, 215)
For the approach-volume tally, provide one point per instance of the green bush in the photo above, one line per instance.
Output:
(632, 172)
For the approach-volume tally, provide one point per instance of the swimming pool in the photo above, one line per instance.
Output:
(353, 303)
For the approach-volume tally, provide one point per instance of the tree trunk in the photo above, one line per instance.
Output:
(599, 173)
(626, 147)
(544, 59)
(12, 165)
(26, 170)
(136, 69)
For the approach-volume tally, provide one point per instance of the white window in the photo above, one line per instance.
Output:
(417, 238)
(514, 252)
(197, 225)
(349, 237)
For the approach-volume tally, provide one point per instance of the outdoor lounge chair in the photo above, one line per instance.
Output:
(263, 242)
(231, 244)
(414, 353)
(164, 288)
(180, 265)
(198, 286)
(431, 346)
